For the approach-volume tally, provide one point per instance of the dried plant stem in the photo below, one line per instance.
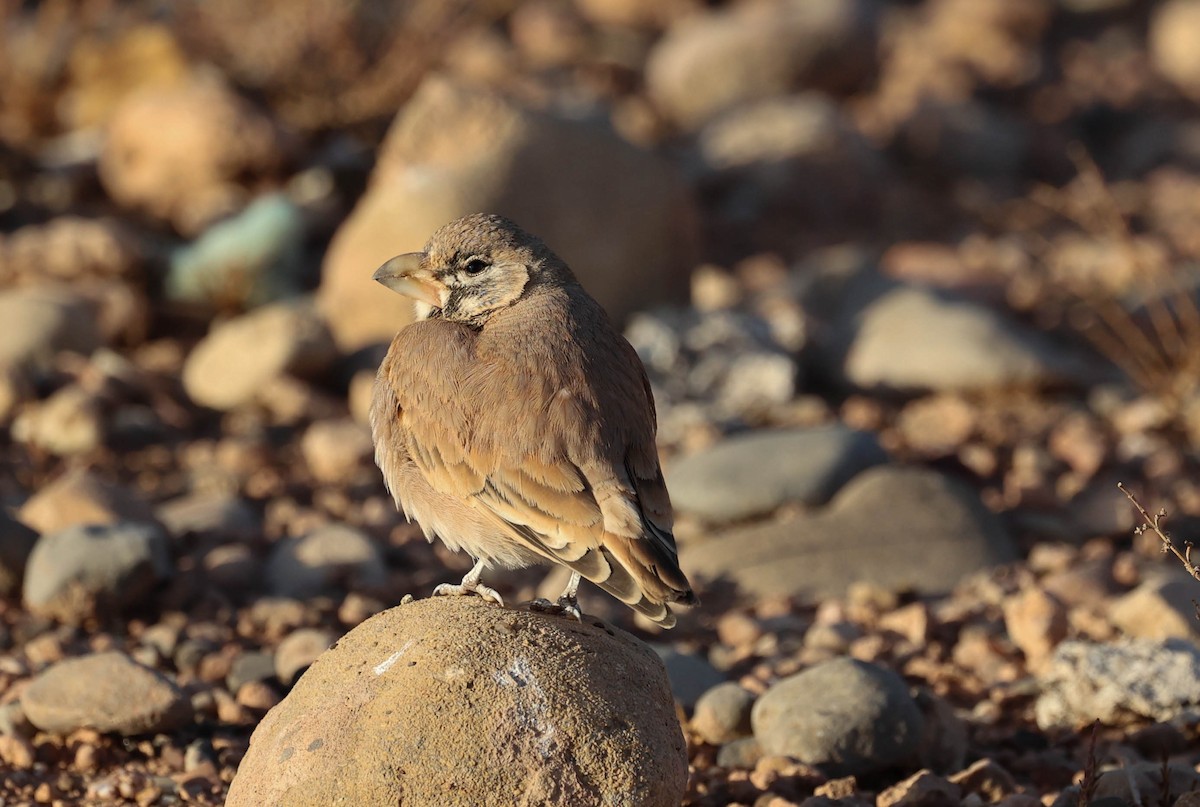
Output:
(1155, 523)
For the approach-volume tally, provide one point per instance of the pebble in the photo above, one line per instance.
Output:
(922, 789)
(41, 321)
(722, 714)
(754, 474)
(16, 542)
(1036, 621)
(298, 650)
(69, 422)
(1160, 608)
(210, 514)
(95, 570)
(233, 567)
(1175, 45)
(325, 559)
(17, 752)
(716, 61)
(848, 717)
(337, 450)
(238, 358)
(986, 778)
(897, 527)
(250, 666)
(81, 497)
(742, 753)
(1086, 681)
(105, 691)
(690, 675)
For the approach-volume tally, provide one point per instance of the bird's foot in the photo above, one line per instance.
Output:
(566, 606)
(469, 587)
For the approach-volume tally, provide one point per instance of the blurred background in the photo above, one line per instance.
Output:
(915, 282)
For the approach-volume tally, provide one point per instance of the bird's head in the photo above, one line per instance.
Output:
(473, 267)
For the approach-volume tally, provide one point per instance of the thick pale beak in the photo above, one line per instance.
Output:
(403, 274)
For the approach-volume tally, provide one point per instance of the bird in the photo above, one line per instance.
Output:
(513, 421)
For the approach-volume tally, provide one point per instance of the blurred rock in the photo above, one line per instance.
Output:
(250, 666)
(40, 322)
(1175, 44)
(888, 337)
(210, 514)
(567, 181)
(755, 473)
(787, 157)
(362, 390)
(1160, 608)
(714, 61)
(253, 258)
(324, 560)
(95, 570)
(690, 675)
(743, 753)
(298, 651)
(71, 421)
(922, 789)
(233, 567)
(723, 713)
(337, 450)
(69, 248)
(1133, 783)
(986, 778)
(1086, 681)
(108, 692)
(729, 361)
(554, 726)
(239, 357)
(969, 138)
(892, 526)
(16, 542)
(1036, 621)
(103, 70)
(81, 497)
(845, 716)
(184, 152)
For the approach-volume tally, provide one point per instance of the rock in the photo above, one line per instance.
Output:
(922, 788)
(196, 174)
(743, 753)
(944, 739)
(690, 675)
(239, 357)
(723, 714)
(1086, 681)
(730, 361)
(1174, 46)
(987, 779)
(1160, 608)
(69, 249)
(81, 497)
(1141, 783)
(848, 717)
(522, 164)
(216, 514)
(968, 138)
(755, 473)
(17, 752)
(108, 692)
(71, 421)
(337, 450)
(233, 567)
(256, 257)
(889, 337)
(370, 722)
(95, 570)
(298, 651)
(40, 321)
(892, 526)
(715, 61)
(1036, 621)
(323, 560)
(250, 666)
(16, 542)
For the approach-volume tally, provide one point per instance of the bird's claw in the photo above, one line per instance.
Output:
(564, 607)
(488, 593)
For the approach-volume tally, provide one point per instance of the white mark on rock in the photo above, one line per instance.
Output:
(530, 709)
(387, 663)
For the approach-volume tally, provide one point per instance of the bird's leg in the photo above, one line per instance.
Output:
(568, 603)
(470, 585)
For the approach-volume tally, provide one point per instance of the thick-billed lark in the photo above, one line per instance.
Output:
(514, 422)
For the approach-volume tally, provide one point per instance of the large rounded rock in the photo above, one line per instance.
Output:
(618, 215)
(453, 701)
(1175, 44)
(847, 716)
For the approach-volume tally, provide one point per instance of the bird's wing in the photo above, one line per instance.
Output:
(560, 456)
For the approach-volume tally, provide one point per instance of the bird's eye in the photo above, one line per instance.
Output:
(476, 266)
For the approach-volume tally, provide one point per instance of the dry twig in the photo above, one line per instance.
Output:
(1155, 523)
